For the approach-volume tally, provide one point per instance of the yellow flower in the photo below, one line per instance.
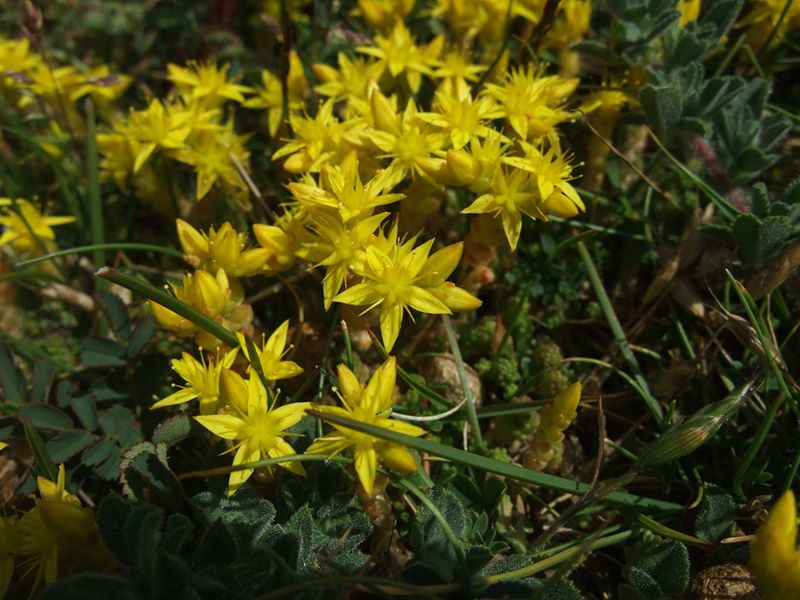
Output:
(255, 425)
(553, 173)
(380, 14)
(212, 152)
(271, 353)
(28, 230)
(270, 96)
(58, 535)
(318, 140)
(212, 295)
(370, 404)
(511, 195)
(571, 23)
(531, 103)
(774, 556)
(398, 277)
(342, 190)
(3, 445)
(202, 379)
(156, 126)
(462, 118)
(280, 242)
(690, 10)
(339, 248)
(407, 139)
(206, 83)
(351, 82)
(16, 57)
(101, 84)
(221, 248)
(399, 54)
(455, 70)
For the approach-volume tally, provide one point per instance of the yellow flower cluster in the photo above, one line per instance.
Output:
(32, 85)
(27, 230)
(400, 127)
(194, 127)
(55, 538)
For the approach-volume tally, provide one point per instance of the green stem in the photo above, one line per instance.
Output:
(95, 199)
(472, 415)
(164, 299)
(490, 465)
(619, 334)
(94, 248)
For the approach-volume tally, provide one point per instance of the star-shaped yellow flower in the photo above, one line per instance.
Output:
(255, 425)
(370, 404)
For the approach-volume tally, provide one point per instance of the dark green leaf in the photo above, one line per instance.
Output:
(102, 353)
(662, 105)
(715, 519)
(117, 315)
(86, 411)
(98, 452)
(745, 233)
(112, 516)
(142, 334)
(66, 445)
(13, 384)
(659, 567)
(45, 416)
(142, 532)
(43, 460)
(43, 372)
(217, 547)
(91, 586)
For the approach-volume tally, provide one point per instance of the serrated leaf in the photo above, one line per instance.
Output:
(248, 514)
(112, 516)
(177, 532)
(431, 544)
(142, 536)
(11, 380)
(48, 417)
(148, 476)
(173, 430)
(715, 519)
(217, 547)
(775, 233)
(662, 105)
(119, 423)
(745, 233)
(760, 200)
(102, 353)
(66, 445)
(659, 567)
(97, 452)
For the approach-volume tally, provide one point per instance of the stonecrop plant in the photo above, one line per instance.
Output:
(377, 298)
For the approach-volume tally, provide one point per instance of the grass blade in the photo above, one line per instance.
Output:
(482, 463)
(94, 248)
(164, 299)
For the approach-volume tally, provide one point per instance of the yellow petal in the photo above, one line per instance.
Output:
(245, 454)
(366, 465)
(348, 383)
(391, 320)
(379, 390)
(225, 426)
(398, 459)
(233, 390)
(277, 341)
(282, 448)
